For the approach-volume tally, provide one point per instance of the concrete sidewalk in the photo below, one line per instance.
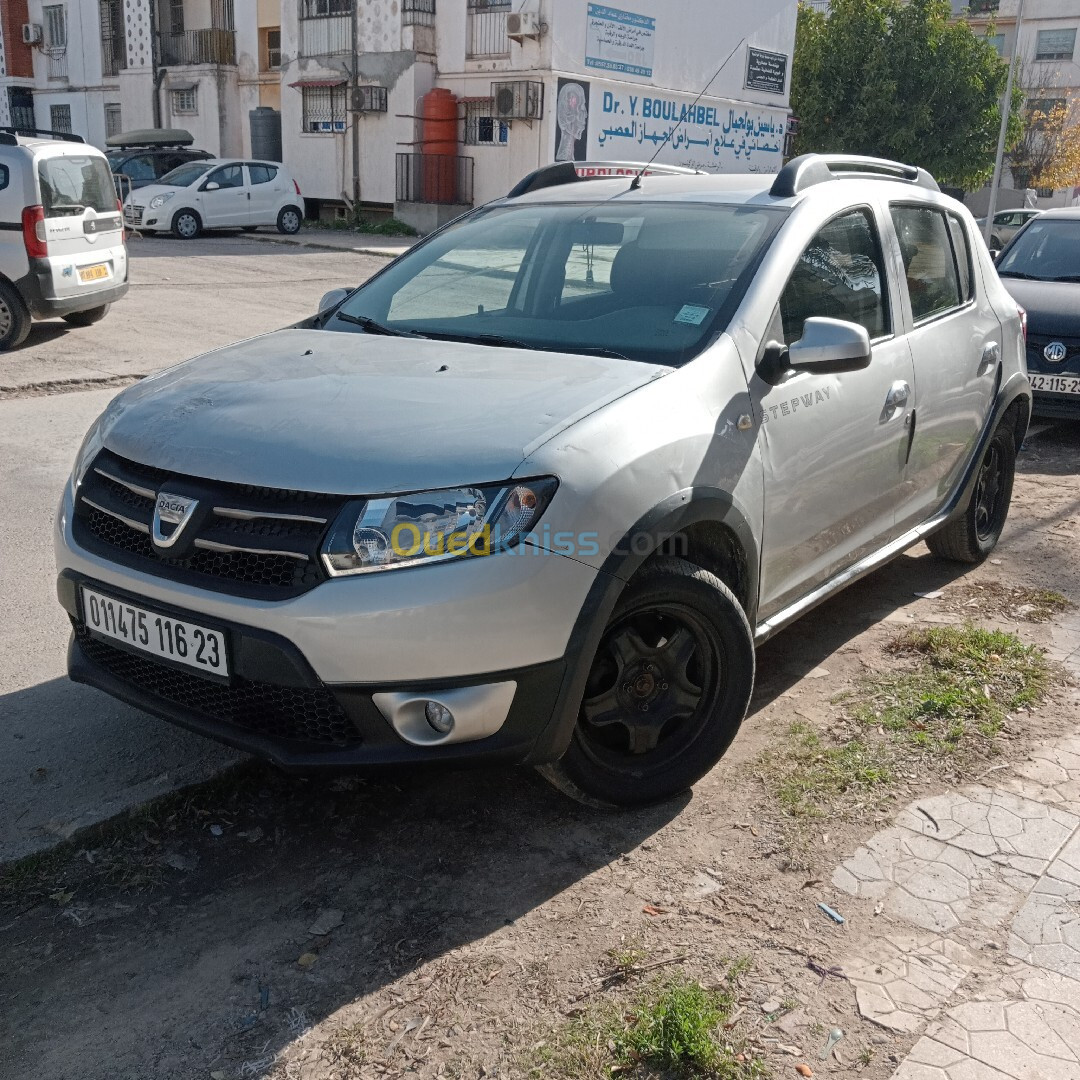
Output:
(977, 895)
(387, 247)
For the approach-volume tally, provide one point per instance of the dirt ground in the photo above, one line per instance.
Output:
(465, 916)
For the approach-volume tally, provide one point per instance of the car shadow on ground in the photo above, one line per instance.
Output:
(230, 242)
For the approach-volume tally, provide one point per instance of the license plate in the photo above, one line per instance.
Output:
(173, 639)
(93, 273)
(1056, 384)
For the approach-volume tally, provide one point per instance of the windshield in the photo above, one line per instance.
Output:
(646, 281)
(1047, 250)
(70, 184)
(184, 175)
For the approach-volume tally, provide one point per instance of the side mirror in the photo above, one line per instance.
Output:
(830, 346)
(332, 299)
(211, 185)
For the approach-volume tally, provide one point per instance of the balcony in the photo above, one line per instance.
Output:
(983, 7)
(486, 29)
(444, 180)
(326, 36)
(418, 12)
(213, 46)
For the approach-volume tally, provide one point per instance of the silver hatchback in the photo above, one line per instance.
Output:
(536, 491)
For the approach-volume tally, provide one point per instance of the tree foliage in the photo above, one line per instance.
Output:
(1046, 154)
(899, 80)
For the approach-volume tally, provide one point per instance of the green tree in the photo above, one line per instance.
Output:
(899, 80)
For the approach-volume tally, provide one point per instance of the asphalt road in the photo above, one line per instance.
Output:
(186, 297)
(71, 756)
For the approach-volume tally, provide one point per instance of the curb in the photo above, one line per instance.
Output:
(322, 246)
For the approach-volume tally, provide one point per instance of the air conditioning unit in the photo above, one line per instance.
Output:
(522, 24)
(369, 99)
(519, 100)
(31, 33)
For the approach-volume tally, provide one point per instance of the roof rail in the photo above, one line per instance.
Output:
(810, 169)
(570, 172)
(12, 134)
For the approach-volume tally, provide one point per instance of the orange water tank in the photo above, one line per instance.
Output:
(439, 145)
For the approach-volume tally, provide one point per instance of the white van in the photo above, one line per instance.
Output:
(62, 246)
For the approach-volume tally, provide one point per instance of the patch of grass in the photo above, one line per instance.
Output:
(965, 683)
(1007, 601)
(953, 697)
(673, 1029)
(807, 773)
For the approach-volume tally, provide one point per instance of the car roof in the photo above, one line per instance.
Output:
(600, 181)
(1065, 213)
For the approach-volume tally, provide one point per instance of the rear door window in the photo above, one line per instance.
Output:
(140, 167)
(840, 276)
(70, 184)
(262, 174)
(932, 278)
(962, 253)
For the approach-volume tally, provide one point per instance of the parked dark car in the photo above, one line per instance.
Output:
(1041, 269)
(146, 156)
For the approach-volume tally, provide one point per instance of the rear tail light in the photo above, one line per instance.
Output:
(1023, 320)
(123, 231)
(33, 231)
(296, 185)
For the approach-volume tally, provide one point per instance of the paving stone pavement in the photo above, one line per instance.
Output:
(966, 866)
(987, 881)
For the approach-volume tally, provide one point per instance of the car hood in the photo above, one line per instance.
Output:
(355, 414)
(149, 190)
(1053, 307)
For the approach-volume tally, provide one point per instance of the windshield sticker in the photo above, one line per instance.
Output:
(692, 314)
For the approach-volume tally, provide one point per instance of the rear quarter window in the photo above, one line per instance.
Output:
(5, 176)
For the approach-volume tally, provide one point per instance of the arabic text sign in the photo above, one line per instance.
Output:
(715, 136)
(766, 71)
(619, 40)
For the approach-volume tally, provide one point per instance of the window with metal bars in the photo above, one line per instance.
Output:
(325, 9)
(324, 108)
(185, 100)
(483, 129)
(60, 118)
(113, 45)
(113, 125)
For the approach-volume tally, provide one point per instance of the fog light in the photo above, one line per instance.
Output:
(439, 717)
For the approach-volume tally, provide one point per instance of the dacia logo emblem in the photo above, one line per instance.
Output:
(1055, 352)
(175, 510)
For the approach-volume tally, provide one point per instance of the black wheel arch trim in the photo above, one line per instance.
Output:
(638, 544)
(1014, 389)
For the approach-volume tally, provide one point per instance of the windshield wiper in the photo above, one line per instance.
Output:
(483, 339)
(1021, 274)
(373, 326)
(1066, 277)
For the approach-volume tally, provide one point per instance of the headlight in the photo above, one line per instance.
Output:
(91, 447)
(160, 200)
(431, 526)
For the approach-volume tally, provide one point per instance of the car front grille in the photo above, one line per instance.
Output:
(259, 542)
(1038, 362)
(310, 715)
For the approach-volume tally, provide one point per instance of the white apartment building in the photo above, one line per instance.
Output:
(1048, 48)
(523, 83)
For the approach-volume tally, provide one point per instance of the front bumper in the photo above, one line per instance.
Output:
(316, 661)
(275, 707)
(1055, 406)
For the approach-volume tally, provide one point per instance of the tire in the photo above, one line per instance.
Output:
(87, 318)
(186, 225)
(14, 318)
(289, 220)
(972, 535)
(996, 243)
(668, 689)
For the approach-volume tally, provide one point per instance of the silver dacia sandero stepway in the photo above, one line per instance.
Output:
(536, 491)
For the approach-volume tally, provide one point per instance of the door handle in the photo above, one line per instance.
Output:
(897, 396)
(991, 356)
